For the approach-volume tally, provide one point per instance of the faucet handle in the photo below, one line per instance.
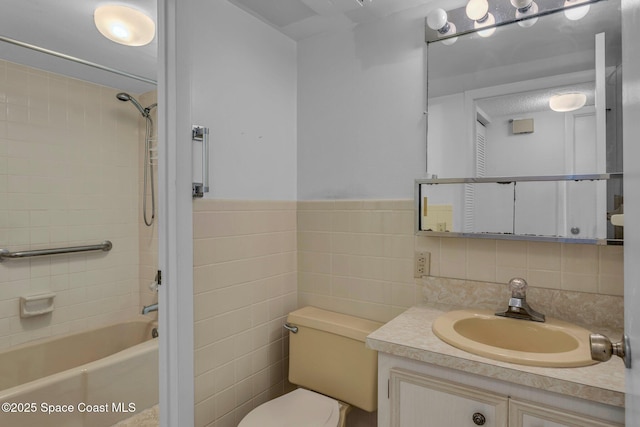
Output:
(518, 287)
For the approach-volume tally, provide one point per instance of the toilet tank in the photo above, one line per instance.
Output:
(328, 355)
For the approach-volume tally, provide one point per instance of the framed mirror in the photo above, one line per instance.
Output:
(490, 116)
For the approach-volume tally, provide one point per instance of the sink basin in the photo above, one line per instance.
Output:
(553, 343)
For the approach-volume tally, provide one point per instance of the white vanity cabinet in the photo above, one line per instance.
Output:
(418, 400)
(527, 414)
(416, 394)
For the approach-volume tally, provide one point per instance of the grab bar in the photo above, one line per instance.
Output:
(104, 246)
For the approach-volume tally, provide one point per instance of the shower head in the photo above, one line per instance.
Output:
(126, 97)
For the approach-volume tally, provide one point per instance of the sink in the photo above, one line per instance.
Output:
(553, 343)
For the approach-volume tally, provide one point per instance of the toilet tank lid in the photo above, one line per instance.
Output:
(337, 323)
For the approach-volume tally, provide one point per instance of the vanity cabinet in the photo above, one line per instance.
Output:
(526, 414)
(418, 400)
(412, 394)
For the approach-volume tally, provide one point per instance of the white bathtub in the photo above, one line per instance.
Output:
(90, 379)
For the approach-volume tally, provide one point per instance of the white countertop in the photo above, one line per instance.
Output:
(409, 335)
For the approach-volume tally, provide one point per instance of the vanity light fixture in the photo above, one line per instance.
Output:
(566, 102)
(524, 10)
(437, 20)
(124, 25)
(484, 16)
(574, 13)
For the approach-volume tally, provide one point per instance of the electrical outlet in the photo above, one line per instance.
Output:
(421, 264)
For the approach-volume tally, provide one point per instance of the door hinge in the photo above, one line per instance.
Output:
(159, 277)
(388, 389)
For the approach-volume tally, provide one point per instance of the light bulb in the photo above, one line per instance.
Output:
(477, 9)
(437, 20)
(575, 13)
(528, 10)
(488, 22)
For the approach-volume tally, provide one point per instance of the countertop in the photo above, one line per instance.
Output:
(409, 335)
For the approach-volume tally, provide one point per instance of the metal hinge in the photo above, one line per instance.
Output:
(388, 389)
(159, 277)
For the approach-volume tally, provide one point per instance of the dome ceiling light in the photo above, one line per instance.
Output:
(567, 102)
(124, 25)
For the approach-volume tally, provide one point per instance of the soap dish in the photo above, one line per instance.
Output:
(36, 304)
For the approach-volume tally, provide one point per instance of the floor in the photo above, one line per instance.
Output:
(146, 418)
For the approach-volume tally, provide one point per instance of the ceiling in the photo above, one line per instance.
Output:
(300, 19)
(66, 26)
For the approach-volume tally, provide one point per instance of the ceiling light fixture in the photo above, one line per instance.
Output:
(124, 25)
(565, 102)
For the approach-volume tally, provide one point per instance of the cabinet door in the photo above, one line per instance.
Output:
(422, 401)
(527, 414)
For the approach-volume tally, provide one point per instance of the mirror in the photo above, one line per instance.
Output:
(489, 116)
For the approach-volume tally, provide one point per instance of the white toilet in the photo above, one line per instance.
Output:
(329, 361)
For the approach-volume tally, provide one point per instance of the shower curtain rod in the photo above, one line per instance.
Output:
(78, 60)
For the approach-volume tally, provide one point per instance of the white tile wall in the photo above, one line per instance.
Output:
(68, 159)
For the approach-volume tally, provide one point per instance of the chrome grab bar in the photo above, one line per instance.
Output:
(104, 246)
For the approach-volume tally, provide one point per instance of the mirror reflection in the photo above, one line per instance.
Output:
(505, 106)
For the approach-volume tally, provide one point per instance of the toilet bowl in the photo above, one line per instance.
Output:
(298, 408)
(330, 363)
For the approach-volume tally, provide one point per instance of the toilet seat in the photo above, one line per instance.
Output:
(298, 408)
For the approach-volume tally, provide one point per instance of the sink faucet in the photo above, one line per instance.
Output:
(149, 308)
(518, 307)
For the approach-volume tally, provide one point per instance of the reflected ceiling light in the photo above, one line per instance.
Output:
(361, 2)
(124, 25)
(567, 102)
(524, 9)
(576, 13)
(478, 11)
(437, 20)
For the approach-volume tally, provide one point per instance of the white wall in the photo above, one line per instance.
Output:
(244, 90)
(361, 98)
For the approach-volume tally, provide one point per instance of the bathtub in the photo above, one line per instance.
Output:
(89, 379)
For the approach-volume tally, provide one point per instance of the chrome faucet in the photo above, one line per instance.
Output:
(149, 308)
(518, 307)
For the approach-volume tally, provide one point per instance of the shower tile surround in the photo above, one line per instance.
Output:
(69, 155)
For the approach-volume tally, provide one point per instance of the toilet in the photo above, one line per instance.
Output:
(334, 370)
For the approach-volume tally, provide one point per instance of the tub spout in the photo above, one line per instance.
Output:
(149, 308)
